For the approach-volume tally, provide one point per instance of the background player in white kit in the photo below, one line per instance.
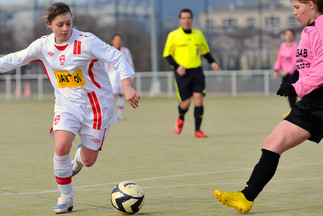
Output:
(114, 76)
(74, 63)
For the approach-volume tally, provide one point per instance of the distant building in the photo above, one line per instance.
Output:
(268, 17)
(248, 36)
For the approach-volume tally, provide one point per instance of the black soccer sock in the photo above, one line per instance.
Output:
(198, 115)
(261, 174)
(181, 112)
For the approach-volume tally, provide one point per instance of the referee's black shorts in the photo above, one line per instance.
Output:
(192, 81)
(308, 114)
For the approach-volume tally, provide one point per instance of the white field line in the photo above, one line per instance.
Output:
(83, 188)
(54, 201)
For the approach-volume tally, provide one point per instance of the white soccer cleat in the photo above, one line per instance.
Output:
(76, 167)
(64, 205)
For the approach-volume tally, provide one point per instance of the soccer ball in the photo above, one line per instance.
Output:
(127, 197)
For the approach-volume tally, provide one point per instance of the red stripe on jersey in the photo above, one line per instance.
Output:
(38, 60)
(61, 48)
(96, 110)
(74, 50)
(91, 75)
(63, 181)
(77, 47)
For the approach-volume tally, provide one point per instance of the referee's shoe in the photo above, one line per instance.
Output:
(178, 125)
(200, 134)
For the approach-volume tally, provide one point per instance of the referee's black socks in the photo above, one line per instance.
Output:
(261, 174)
(181, 112)
(198, 115)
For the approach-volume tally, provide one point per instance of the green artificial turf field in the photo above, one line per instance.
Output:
(177, 172)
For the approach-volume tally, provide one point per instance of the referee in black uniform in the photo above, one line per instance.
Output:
(183, 50)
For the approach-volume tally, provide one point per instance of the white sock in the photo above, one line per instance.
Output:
(63, 174)
(121, 103)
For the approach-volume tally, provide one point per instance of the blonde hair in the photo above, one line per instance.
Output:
(56, 9)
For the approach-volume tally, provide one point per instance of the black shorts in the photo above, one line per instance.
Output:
(192, 81)
(308, 114)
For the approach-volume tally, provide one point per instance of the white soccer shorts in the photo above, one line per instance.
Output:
(90, 138)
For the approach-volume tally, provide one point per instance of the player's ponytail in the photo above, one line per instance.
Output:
(56, 9)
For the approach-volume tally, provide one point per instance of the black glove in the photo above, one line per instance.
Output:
(286, 89)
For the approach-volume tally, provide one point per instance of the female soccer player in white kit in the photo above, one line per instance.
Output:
(74, 63)
(114, 76)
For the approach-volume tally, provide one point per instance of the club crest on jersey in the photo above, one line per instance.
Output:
(62, 59)
(66, 79)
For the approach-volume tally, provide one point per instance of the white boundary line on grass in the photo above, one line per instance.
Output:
(54, 201)
(82, 188)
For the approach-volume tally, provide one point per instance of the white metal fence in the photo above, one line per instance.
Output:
(35, 86)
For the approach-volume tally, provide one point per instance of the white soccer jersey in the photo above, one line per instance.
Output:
(77, 72)
(114, 75)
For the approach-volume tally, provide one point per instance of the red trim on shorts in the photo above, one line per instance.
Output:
(96, 110)
(63, 181)
(103, 139)
(91, 75)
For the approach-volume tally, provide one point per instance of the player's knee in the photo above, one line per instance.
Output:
(62, 150)
(88, 162)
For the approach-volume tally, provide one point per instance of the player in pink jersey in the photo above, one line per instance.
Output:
(74, 63)
(286, 62)
(306, 118)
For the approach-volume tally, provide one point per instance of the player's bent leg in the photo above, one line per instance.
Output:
(89, 156)
(235, 200)
(77, 163)
(286, 135)
(83, 157)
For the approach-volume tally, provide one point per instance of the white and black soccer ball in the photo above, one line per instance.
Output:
(127, 197)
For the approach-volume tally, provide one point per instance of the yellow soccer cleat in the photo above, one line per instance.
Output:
(235, 200)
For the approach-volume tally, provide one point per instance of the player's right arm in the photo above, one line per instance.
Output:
(168, 52)
(17, 59)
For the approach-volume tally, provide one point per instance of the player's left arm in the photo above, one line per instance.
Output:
(130, 94)
(214, 65)
(205, 51)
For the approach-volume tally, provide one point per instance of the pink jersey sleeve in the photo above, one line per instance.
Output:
(310, 59)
